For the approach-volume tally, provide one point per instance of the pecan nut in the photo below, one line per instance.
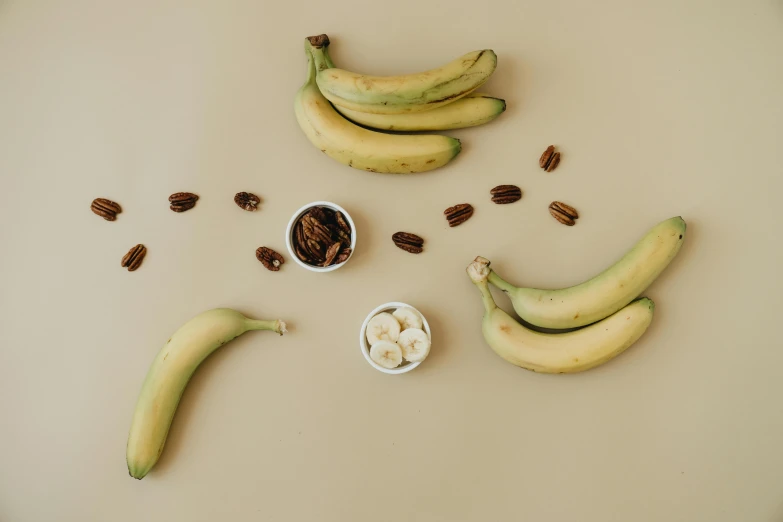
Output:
(182, 201)
(342, 222)
(504, 194)
(247, 201)
(458, 214)
(549, 159)
(132, 260)
(408, 242)
(269, 258)
(565, 214)
(331, 254)
(105, 208)
(343, 256)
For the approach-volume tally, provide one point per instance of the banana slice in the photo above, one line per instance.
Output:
(408, 318)
(386, 353)
(415, 344)
(383, 327)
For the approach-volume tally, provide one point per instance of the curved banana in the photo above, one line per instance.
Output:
(401, 94)
(169, 374)
(361, 148)
(569, 352)
(470, 111)
(605, 293)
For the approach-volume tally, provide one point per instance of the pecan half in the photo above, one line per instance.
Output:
(458, 214)
(247, 201)
(504, 194)
(182, 201)
(563, 213)
(549, 159)
(316, 249)
(331, 254)
(302, 254)
(269, 258)
(105, 208)
(408, 242)
(343, 256)
(342, 222)
(132, 260)
(316, 213)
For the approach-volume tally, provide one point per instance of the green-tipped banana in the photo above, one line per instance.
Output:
(605, 293)
(470, 111)
(361, 148)
(570, 352)
(401, 94)
(169, 374)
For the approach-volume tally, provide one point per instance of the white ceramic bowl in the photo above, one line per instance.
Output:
(365, 346)
(290, 230)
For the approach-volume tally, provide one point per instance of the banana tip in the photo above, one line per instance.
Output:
(281, 329)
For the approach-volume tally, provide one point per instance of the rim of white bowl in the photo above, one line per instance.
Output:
(290, 228)
(365, 347)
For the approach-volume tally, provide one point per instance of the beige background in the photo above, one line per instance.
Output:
(673, 108)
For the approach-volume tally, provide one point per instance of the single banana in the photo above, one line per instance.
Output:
(383, 327)
(169, 374)
(472, 110)
(569, 352)
(402, 94)
(361, 148)
(605, 293)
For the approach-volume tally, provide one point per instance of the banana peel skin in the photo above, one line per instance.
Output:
(605, 293)
(170, 373)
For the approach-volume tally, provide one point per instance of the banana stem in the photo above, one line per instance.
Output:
(319, 55)
(500, 282)
(257, 324)
(486, 296)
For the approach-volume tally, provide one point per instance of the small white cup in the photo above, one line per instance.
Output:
(290, 230)
(365, 346)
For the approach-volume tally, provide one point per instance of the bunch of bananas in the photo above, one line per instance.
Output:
(607, 303)
(335, 108)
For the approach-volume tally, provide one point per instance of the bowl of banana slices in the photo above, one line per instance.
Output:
(395, 338)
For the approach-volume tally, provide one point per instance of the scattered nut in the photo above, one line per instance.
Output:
(504, 194)
(247, 201)
(132, 260)
(182, 201)
(563, 213)
(105, 208)
(408, 242)
(549, 159)
(458, 214)
(269, 258)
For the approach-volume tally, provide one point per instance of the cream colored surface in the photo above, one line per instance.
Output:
(672, 108)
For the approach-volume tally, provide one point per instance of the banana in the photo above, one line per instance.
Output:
(361, 148)
(470, 111)
(415, 344)
(401, 94)
(408, 318)
(169, 374)
(570, 352)
(386, 354)
(605, 293)
(383, 327)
